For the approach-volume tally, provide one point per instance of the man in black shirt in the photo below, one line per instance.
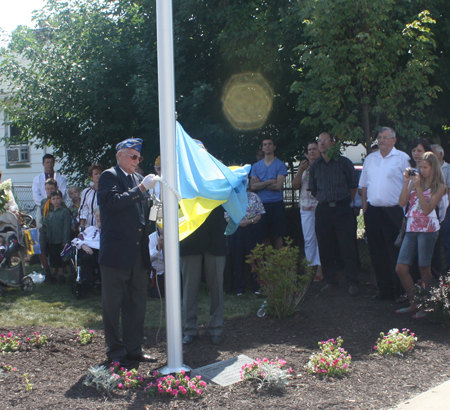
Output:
(334, 182)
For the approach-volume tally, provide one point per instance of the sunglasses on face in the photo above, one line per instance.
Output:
(135, 157)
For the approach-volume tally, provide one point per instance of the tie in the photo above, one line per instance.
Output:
(132, 184)
(131, 181)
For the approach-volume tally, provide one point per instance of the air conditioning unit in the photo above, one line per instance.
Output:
(18, 154)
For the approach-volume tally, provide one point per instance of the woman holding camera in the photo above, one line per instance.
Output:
(423, 190)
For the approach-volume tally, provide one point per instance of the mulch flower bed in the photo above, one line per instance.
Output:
(56, 371)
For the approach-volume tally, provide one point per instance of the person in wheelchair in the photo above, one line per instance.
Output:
(88, 245)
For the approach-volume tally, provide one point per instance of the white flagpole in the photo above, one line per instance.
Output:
(166, 92)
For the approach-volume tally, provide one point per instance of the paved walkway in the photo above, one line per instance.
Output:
(437, 398)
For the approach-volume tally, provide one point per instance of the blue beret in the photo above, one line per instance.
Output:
(134, 143)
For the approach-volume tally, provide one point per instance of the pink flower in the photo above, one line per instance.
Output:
(10, 334)
(120, 386)
(183, 372)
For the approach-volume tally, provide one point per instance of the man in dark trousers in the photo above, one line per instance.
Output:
(334, 182)
(124, 256)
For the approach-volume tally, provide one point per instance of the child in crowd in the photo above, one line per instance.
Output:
(75, 196)
(57, 223)
(50, 186)
(88, 244)
(156, 248)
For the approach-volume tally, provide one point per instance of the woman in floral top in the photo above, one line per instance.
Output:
(423, 191)
(244, 240)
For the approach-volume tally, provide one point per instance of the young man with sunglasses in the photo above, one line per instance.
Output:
(124, 256)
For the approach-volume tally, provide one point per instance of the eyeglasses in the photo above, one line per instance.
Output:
(327, 140)
(384, 138)
(135, 157)
(157, 168)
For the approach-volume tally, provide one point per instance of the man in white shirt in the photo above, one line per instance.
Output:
(381, 183)
(48, 161)
(445, 226)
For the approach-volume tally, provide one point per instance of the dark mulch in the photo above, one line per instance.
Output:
(57, 370)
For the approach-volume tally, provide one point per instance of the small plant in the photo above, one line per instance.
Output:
(38, 340)
(128, 378)
(278, 273)
(437, 300)
(395, 342)
(179, 385)
(9, 343)
(85, 337)
(29, 386)
(271, 373)
(102, 379)
(8, 367)
(332, 360)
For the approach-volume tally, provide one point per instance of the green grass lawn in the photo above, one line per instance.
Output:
(56, 306)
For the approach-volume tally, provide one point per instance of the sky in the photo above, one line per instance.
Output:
(14, 13)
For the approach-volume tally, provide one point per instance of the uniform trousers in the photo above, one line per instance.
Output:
(191, 269)
(382, 227)
(309, 235)
(124, 295)
(337, 219)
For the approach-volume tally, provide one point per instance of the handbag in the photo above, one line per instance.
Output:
(401, 234)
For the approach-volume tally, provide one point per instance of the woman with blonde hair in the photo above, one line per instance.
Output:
(423, 190)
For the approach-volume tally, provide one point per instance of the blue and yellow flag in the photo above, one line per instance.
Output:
(204, 183)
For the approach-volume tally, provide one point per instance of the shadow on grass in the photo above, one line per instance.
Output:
(56, 306)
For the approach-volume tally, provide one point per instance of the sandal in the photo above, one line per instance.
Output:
(405, 311)
(420, 315)
(318, 278)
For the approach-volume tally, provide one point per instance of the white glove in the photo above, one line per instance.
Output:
(149, 181)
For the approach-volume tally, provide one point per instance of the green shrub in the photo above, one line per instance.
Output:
(278, 272)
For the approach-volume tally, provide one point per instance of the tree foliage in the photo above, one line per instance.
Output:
(365, 64)
(90, 79)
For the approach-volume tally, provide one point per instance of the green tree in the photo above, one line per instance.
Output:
(365, 63)
(79, 88)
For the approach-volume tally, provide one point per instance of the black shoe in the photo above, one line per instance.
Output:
(123, 361)
(216, 340)
(48, 279)
(328, 287)
(60, 279)
(143, 357)
(189, 339)
(353, 290)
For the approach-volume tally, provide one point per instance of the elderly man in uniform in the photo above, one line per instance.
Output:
(124, 256)
(381, 183)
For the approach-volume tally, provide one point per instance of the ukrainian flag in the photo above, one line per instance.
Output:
(205, 183)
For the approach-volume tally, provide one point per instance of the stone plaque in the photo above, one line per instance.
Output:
(223, 373)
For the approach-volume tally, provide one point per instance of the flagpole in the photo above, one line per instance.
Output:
(166, 93)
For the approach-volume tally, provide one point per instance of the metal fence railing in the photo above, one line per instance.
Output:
(24, 198)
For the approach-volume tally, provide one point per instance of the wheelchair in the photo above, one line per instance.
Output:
(85, 273)
(12, 263)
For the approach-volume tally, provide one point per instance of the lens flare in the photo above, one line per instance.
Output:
(247, 101)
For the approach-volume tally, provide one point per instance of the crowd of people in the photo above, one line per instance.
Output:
(108, 224)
